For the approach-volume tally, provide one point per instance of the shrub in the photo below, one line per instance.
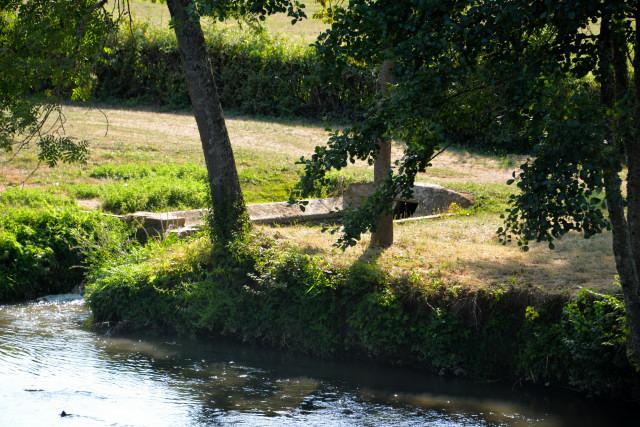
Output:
(594, 336)
(256, 74)
(48, 250)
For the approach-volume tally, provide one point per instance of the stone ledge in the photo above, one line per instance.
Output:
(284, 213)
(428, 200)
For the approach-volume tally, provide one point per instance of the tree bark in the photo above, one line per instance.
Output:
(229, 215)
(632, 148)
(614, 84)
(382, 235)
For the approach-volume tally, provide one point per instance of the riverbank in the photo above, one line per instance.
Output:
(263, 293)
(50, 362)
(447, 297)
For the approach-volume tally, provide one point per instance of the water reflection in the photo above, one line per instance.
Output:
(48, 364)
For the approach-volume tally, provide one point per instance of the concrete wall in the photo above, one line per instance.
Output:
(430, 199)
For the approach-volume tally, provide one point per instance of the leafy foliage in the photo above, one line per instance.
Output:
(440, 75)
(255, 74)
(562, 186)
(48, 50)
(519, 70)
(250, 11)
(46, 249)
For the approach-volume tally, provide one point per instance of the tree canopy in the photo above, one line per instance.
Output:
(48, 49)
(552, 74)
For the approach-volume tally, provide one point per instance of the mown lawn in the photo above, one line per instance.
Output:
(303, 32)
(149, 160)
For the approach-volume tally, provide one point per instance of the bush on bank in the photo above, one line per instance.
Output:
(47, 244)
(282, 298)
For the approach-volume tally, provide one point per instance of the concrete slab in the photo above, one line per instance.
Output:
(428, 200)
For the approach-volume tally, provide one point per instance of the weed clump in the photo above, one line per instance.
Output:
(47, 249)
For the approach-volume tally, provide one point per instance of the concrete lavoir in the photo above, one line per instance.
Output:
(427, 200)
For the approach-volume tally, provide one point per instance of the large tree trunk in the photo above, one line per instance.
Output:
(382, 236)
(614, 87)
(229, 211)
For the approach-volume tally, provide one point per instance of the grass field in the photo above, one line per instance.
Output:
(304, 32)
(152, 160)
(137, 146)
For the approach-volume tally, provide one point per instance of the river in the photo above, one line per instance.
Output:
(49, 364)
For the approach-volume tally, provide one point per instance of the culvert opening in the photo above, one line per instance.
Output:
(404, 210)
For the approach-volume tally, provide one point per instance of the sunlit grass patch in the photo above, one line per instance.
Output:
(303, 32)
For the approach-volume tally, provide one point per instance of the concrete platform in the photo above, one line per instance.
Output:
(428, 200)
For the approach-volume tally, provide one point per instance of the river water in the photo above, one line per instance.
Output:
(49, 364)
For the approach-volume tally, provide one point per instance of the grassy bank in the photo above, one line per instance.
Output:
(447, 297)
(287, 299)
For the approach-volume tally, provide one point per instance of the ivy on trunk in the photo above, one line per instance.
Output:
(229, 216)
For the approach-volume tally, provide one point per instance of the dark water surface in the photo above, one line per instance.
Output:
(50, 364)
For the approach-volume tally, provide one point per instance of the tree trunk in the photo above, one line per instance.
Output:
(632, 147)
(229, 215)
(613, 81)
(382, 235)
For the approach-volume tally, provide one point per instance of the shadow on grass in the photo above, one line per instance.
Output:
(371, 255)
(228, 113)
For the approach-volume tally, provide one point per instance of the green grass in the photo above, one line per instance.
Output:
(488, 197)
(150, 160)
(134, 187)
(14, 198)
(157, 15)
(131, 187)
(153, 161)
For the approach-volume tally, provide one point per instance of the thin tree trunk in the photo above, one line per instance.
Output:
(382, 236)
(625, 263)
(613, 81)
(229, 211)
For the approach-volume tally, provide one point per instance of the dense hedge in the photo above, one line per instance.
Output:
(255, 73)
(268, 75)
(290, 300)
(46, 249)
